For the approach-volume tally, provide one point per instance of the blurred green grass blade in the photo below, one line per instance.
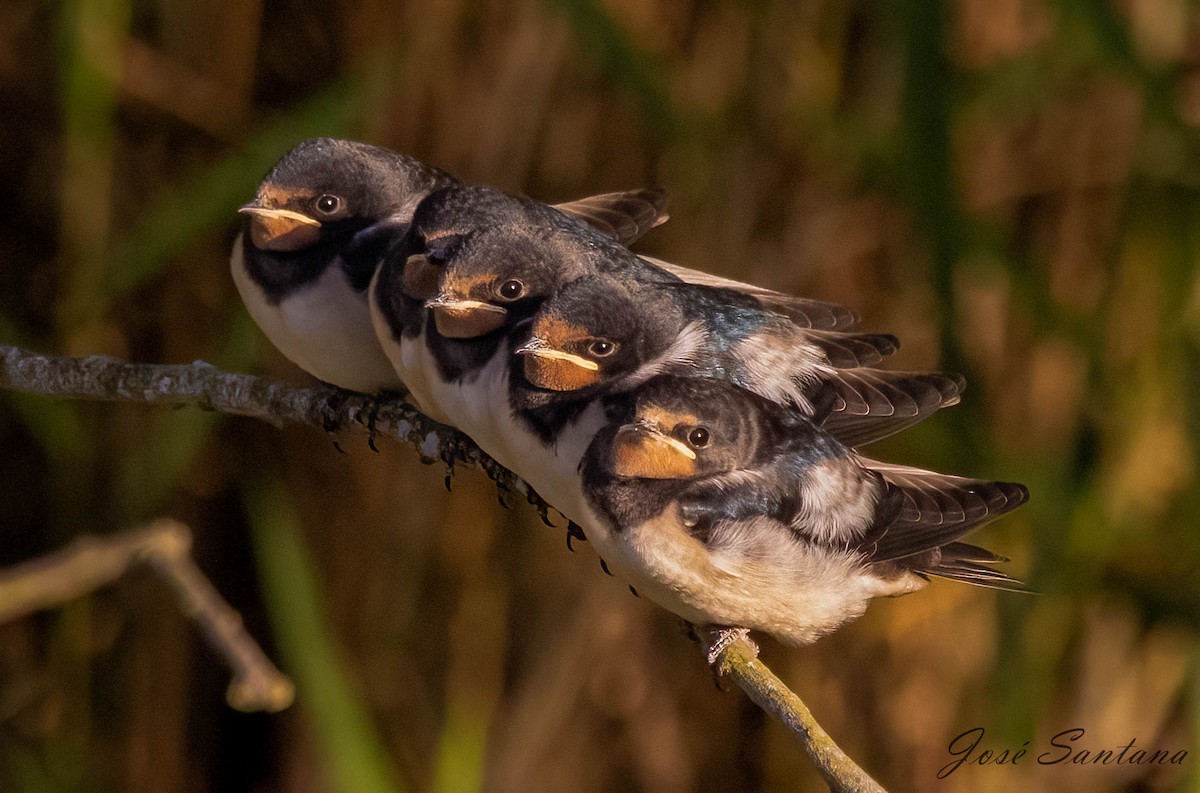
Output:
(208, 200)
(56, 424)
(356, 759)
(93, 42)
(243, 342)
(462, 751)
(926, 166)
(617, 54)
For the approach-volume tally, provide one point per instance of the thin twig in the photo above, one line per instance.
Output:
(328, 408)
(739, 661)
(90, 563)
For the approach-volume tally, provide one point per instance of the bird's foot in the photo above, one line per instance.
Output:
(717, 640)
(375, 403)
(574, 532)
(333, 417)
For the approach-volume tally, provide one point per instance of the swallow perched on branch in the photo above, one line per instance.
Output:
(317, 229)
(732, 511)
(480, 262)
(605, 334)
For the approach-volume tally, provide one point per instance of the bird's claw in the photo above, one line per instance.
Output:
(717, 640)
(574, 532)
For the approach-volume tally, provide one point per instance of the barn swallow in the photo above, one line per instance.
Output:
(495, 257)
(446, 346)
(452, 304)
(603, 333)
(312, 238)
(481, 262)
(319, 225)
(733, 511)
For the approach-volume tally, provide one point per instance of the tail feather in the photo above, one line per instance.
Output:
(969, 564)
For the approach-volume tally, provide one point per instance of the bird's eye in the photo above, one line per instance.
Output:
(511, 290)
(328, 204)
(698, 438)
(601, 348)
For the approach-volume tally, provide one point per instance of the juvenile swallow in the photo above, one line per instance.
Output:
(732, 511)
(319, 225)
(482, 261)
(443, 303)
(494, 257)
(312, 238)
(603, 333)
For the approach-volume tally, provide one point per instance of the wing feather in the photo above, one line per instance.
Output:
(625, 216)
(925, 510)
(860, 406)
(803, 312)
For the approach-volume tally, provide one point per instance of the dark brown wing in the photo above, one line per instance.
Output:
(852, 350)
(803, 312)
(860, 406)
(625, 216)
(922, 511)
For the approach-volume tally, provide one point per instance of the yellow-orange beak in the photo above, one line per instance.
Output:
(281, 230)
(466, 319)
(642, 451)
(557, 370)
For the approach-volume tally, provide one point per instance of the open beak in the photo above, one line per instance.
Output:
(466, 319)
(281, 229)
(641, 450)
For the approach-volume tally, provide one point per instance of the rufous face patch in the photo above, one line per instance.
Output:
(560, 371)
(420, 279)
(557, 333)
(644, 453)
(466, 319)
(281, 229)
(457, 285)
(666, 418)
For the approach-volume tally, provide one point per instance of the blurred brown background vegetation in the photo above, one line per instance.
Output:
(1011, 186)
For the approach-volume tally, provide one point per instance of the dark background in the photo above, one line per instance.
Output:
(1011, 186)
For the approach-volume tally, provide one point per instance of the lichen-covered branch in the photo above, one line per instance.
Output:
(102, 378)
(331, 409)
(93, 562)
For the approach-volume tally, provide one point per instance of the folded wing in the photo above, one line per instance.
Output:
(861, 406)
(625, 216)
(803, 312)
(922, 514)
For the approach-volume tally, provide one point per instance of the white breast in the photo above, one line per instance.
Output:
(324, 328)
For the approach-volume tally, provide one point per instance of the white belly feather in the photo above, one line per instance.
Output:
(324, 328)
